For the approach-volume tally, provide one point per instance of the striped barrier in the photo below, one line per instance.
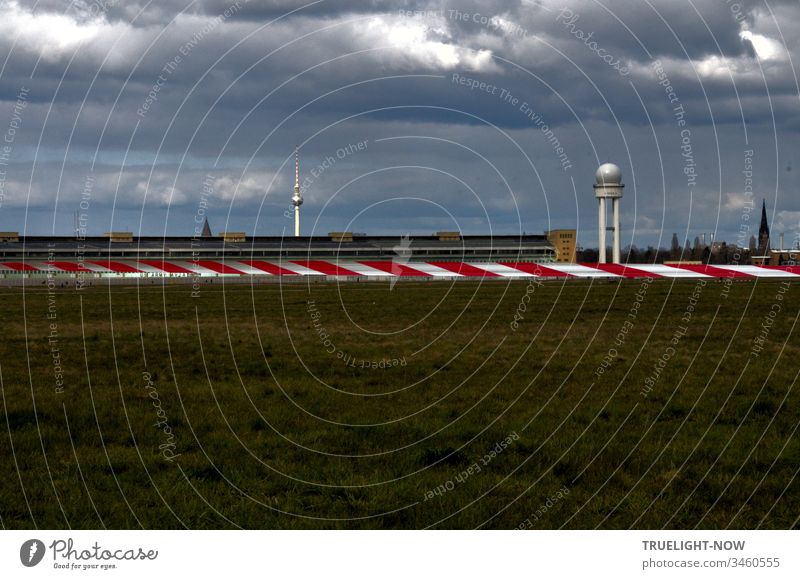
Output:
(384, 269)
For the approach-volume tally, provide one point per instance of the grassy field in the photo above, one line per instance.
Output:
(494, 405)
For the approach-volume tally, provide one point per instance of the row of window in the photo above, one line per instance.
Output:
(272, 254)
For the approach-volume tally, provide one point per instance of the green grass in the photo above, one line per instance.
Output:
(273, 431)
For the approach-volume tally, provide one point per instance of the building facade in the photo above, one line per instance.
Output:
(122, 253)
(564, 243)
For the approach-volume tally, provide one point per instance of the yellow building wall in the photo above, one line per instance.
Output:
(564, 242)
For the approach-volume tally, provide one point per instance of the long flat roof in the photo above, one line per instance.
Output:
(66, 243)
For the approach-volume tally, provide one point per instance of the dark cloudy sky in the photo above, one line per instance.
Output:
(120, 110)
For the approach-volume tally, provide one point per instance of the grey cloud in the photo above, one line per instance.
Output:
(207, 116)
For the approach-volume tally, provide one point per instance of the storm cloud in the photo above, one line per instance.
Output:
(410, 116)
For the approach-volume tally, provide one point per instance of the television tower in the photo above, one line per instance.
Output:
(297, 199)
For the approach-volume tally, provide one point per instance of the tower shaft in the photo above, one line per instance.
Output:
(297, 198)
(601, 227)
(616, 257)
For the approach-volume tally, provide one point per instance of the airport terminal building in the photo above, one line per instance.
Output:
(341, 254)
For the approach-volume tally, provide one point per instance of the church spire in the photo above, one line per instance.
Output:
(763, 231)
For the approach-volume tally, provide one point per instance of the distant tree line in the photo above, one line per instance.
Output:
(717, 253)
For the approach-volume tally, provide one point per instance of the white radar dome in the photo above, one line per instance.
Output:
(608, 174)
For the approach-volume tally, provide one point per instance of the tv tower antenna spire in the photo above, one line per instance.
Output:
(297, 199)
